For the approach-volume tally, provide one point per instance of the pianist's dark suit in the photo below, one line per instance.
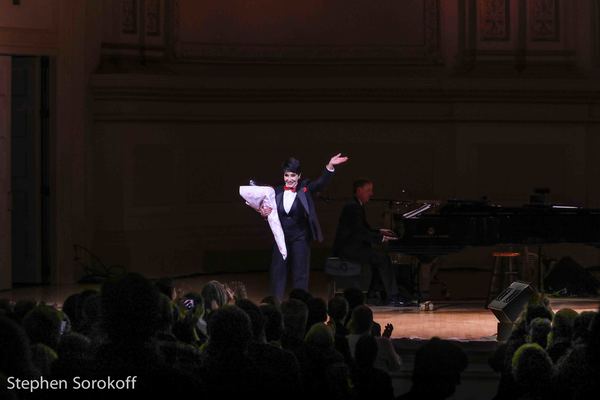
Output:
(354, 241)
(300, 226)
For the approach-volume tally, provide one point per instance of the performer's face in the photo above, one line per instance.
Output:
(291, 178)
(365, 192)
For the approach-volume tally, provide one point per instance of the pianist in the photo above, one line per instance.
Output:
(355, 241)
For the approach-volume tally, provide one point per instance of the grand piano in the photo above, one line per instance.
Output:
(428, 229)
(436, 229)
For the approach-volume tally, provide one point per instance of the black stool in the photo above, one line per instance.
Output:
(503, 274)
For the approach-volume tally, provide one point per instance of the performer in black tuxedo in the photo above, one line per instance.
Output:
(355, 238)
(299, 221)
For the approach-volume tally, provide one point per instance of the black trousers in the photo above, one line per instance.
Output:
(382, 266)
(298, 260)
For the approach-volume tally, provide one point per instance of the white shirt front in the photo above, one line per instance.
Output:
(288, 200)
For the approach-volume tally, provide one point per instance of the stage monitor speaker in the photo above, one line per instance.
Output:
(508, 306)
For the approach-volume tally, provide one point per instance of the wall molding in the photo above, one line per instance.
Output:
(186, 90)
(28, 41)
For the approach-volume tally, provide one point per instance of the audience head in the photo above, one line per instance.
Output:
(130, 308)
(43, 357)
(362, 320)
(91, 309)
(257, 319)
(273, 322)
(538, 310)
(166, 286)
(229, 329)
(271, 300)
(437, 369)
(532, 368)
(593, 346)
(15, 351)
(43, 325)
(355, 297)
(337, 308)
(320, 335)
(317, 311)
(73, 346)
(74, 355)
(581, 326)
(539, 328)
(22, 307)
(300, 294)
(6, 307)
(166, 317)
(73, 307)
(295, 316)
(214, 295)
(562, 324)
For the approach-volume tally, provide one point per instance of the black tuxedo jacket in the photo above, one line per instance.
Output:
(354, 236)
(304, 191)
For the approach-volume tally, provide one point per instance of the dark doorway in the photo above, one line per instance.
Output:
(30, 127)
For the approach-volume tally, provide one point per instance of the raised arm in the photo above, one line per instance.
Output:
(319, 184)
(336, 160)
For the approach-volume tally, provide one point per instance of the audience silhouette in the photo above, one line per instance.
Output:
(219, 344)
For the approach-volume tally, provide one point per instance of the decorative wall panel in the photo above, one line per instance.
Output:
(129, 16)
(543, 19)
(153, 20)
(494, 21)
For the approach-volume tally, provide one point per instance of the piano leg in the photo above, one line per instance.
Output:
(406, 273)
(424, 280)
(427, 275)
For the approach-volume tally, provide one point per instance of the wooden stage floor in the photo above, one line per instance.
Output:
(459, 320)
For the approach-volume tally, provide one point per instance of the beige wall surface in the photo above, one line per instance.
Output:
(169, 191)
(65, 30)
(31, 27)
(164, 107)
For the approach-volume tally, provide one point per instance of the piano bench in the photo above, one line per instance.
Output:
(345, 274)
